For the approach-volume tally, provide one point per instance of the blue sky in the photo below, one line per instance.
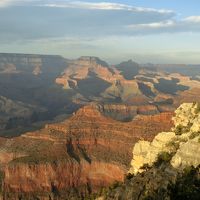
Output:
(157, 31)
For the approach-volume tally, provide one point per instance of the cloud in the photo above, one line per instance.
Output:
(4, 3)
(82, 5)
(111, 30)
(192, 19)
(7, 3)
(156, 25)
(189, 24)
(104, 6)
(39, 19)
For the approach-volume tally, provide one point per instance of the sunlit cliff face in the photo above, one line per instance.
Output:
(80, 151)
(182, 142)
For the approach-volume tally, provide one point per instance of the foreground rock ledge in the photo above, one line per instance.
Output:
(182, 144)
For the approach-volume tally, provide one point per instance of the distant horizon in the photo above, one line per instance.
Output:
(110, 63)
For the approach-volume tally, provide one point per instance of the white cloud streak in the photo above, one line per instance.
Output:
(5, 3)
(82, 5)
(193, 19)
(103, 6)
(189, 24)
(156, 25)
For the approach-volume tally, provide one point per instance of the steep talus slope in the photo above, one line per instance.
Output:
(79, 155)
(169, 166)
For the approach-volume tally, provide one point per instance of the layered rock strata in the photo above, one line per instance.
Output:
(82, 154)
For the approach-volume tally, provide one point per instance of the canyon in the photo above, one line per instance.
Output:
(50, 88)
(82, 154)
(68, 127)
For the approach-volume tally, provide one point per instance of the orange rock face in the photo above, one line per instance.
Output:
(42, 177)
(86, 152)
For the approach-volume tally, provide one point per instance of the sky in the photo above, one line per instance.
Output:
(147, 31)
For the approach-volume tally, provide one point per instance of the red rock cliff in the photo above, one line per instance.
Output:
(85, 152)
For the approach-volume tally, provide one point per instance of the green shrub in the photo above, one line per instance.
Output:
(103, 192)
(129, 176)
(173, 144)
(179, 130)
(115, 185)
(163, 157)
(194, 103)
(197, 109)
(187, 185)
(2, 175)
(182, 129)
(188, 170)
(193, 135)
(145, 167)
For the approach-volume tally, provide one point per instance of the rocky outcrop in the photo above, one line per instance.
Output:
(182, 143)
(81, 68)
(147, 110)
(146, 153)
(166, 168)
(159, 182)
(118, 111)
(123, 112)
(107, 80)
(187, 154)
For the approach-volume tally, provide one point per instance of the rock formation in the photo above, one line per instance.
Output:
(166, 168)
(28, 93)
(182, 143)
(92, 79)
(30, 63)
(61, 86)
(81, 154)
(76, 156)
